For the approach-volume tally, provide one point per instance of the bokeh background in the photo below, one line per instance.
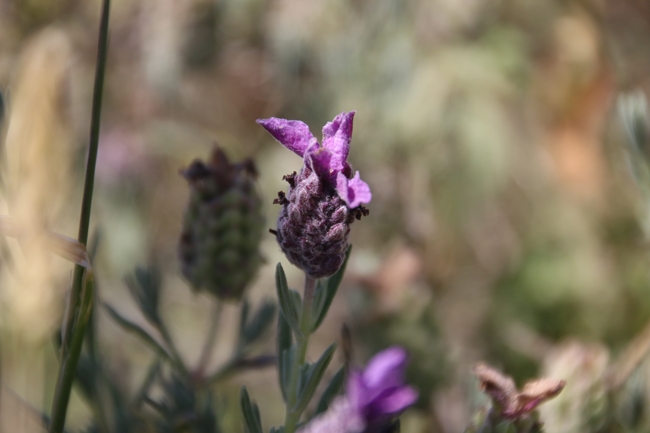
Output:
(508, 223)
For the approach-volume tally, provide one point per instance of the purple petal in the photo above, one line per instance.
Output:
(397, 401)
(319, 160)
(292, 134)
(353, 191)
(386, 368)
(336, 137)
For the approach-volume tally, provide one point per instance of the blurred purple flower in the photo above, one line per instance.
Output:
(378, 392)
(328, 160)
(374, 397)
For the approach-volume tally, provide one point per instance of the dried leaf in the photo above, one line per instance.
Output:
(499, 387)
(63, 246)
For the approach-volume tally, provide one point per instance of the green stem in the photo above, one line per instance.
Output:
(293, 413)
(236, 364)
(68, 366)
(175, 353)
(210, 341)
(89, 181)
(226, 370)
(81, 294)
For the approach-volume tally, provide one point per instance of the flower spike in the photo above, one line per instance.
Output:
(323, 199)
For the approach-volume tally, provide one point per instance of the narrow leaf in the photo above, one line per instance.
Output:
(144, 285)
(287, 300)
(146, 385)
(136, 329)
(260, 323)
(332, 390)
(329, 288)
(314, 377)
(250, 412)
(288, 358)
(284, 343)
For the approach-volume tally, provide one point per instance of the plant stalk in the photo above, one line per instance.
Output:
(82, 292)
(89, 181)
(175, 353)
(211, 339)
(68, 366)
(292, 416)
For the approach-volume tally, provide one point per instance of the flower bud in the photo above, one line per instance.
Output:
(223, 226)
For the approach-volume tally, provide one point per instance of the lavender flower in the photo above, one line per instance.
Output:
(323, 199)
(374, 397)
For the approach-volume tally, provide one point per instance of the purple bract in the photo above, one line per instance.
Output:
(328, 160)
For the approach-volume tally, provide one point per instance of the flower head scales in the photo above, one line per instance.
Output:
(323, 199)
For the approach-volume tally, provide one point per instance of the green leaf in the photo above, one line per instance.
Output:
(288, 306)
(313, 378)
(332, 390)
(260, 323)
(250, 412)
(287, 358)
(285, 341)
(152, 373)
(325, 292)
(304, 372)
(296, 300)
(137, 330)
(144, 286)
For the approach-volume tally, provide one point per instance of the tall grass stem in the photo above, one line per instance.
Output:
(80, 302)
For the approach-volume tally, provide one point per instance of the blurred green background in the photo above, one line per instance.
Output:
(505, 218)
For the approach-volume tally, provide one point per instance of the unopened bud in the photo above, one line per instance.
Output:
(223, 226)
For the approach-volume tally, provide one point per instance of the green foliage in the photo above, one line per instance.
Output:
(325, 292)
(289, 300)
(250, 413)
(311, 376)
(144, 285)
(333, 389)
